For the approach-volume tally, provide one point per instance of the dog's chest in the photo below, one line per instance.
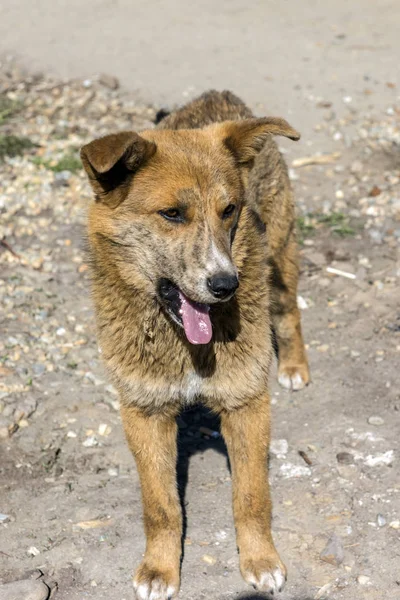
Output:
(192, 387)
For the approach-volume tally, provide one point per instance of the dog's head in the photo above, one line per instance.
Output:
(167, 207)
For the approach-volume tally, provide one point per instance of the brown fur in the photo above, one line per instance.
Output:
(206, 156)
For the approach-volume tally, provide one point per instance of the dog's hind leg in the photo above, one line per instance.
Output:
(246, 431)
(293, 372)
(152, 440)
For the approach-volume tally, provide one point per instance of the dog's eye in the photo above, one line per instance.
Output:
(171, 214)
(228, 212)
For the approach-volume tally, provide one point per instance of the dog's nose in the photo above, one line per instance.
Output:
(222, 285)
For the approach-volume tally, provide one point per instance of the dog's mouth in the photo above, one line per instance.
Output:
(192, 316)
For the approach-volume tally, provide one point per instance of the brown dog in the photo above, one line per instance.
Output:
(194, 263)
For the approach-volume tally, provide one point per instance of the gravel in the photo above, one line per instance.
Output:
(65, 460)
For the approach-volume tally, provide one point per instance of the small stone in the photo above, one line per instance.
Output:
(345, 458)
(363, 580)
(113, 472)
(288, 470)
(4, 518)
(379, 460)
(71, 434)
(323, 348)
(302, 303)
(210, 560)
(27, 589)
(323, 591)
(104, 429)
(33, 551)
(394, 524)
(279, 448)
(4, 433)
(109, 81)
(92, 377)
(380, 519)
(90, 442)
(375, 191)
(375, 420)
(333, 552)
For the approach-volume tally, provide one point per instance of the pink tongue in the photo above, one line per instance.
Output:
(196, 321)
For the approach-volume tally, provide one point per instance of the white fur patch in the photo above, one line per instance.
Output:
(157, 589)
(293, 382)
(192, 387)
(270, 582)
(218, 261)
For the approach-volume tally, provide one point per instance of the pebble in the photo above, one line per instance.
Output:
(394, 524)
(90, 442)
(324, 590)
(279, 448)
(363, 580)
(4, 518)
(380, 519)
(109, 81)
(33, 551)
(302, 303)
(345, 458)
(333, 552)
(288, 470)
(4, 433)
(375, 420)
(210, 560)
(104, 429)
(379, 460)
(26, 589)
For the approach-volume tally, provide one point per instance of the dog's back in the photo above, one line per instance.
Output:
(210, 107)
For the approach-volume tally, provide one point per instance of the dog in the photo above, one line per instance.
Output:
(194, 270)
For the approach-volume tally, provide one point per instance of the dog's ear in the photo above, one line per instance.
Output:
(247, 137)
(108, 162)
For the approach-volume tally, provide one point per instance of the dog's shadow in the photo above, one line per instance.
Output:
(199, 430)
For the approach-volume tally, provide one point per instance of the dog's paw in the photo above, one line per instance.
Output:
(264, 576)
(293, 377)
(154, 584)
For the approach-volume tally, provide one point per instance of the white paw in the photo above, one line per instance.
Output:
(291, 382)
(156, 589)
(270, 582)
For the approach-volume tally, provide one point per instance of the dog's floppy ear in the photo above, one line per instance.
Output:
(109, 160)
(247, 137)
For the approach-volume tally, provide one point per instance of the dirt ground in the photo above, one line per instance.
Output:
(69, 492)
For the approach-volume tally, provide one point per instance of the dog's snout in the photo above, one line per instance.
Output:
(222, 285)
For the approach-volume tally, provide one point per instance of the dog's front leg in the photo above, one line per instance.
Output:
(246, 432)
(152, 440)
